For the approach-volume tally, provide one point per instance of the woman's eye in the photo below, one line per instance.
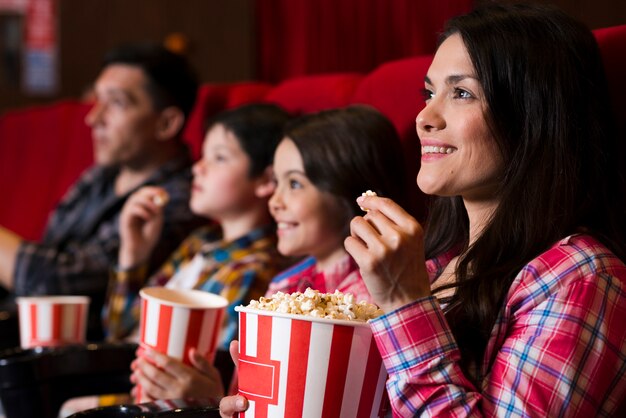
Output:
(427, 94)
(462, 94)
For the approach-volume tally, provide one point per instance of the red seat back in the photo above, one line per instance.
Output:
(612, 42)
(315, 93)
(43, 150)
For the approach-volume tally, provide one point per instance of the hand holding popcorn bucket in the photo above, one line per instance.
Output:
(52, 321)
(295, 365)
(173, 321)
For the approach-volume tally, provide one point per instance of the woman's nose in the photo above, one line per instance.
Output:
(430, 118)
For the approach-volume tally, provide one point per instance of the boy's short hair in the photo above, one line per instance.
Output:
(258, 128)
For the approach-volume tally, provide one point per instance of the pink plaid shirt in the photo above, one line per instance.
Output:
(558, 348)
(345, 277)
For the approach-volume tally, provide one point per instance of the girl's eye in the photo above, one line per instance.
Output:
(427, 94)
(220, 157)
(295, 184)
(462, 94)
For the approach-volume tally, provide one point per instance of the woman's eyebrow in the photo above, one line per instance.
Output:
(452, 79)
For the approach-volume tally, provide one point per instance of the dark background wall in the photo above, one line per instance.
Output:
(222, 36)
(594, 13)
(220, 33)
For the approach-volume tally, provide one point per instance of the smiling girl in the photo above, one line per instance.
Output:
(322, 164)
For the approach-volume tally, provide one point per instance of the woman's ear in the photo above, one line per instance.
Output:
(265, 184)
(171, 120)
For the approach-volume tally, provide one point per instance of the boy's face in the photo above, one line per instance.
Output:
(222, 189)
(123, 120)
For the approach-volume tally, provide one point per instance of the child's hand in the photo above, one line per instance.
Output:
(141, 222)
(163, 377)
(230, 405)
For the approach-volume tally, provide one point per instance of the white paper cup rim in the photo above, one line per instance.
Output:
(345, 322)
(61, 299)
(187, 298)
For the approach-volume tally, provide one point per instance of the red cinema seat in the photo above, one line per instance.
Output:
(612, 43)
(247, 92)
(211, 99)
(314, 93)
(43, 151)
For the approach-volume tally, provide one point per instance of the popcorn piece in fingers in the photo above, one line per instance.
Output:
(367, 193)
(161, 199)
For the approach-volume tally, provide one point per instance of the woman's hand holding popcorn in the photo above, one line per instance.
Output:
(388, 245)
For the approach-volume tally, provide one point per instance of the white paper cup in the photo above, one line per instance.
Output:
(51, 321)
(176, 320)
(300, 366)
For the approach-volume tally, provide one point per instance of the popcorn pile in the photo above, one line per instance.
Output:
(319, 305)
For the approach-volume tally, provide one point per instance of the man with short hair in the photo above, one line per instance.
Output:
(143, 96)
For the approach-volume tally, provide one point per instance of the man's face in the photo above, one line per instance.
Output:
(123, 120)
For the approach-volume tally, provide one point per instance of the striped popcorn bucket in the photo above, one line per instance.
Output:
(299, 366)
(175, 320)
(51, 321)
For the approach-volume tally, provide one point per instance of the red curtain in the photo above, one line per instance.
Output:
(297, 37)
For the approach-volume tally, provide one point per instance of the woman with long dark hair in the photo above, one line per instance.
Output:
(519, 309)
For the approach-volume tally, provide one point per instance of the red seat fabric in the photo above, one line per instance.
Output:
(612, 42)
(43, 150)
(211, 99)
(244, 93)
(315, 93)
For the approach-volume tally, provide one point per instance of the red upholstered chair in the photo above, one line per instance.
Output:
(612, 42)
(395, 89)
(248, 92)
(43, 151)
(211, 99)
(315, 93)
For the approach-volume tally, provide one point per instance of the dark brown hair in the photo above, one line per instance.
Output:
(348, 151)
(258, 128)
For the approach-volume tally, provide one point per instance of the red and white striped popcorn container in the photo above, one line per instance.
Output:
(175, 320)
(52, 321)
(301, 366)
